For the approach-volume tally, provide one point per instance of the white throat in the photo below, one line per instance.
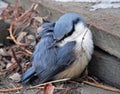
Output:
(83, 36)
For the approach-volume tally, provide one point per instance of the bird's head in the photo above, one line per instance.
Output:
(68, 24)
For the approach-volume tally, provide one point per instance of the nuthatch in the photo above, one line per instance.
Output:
(64, 50)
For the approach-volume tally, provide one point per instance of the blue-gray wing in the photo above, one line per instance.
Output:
(44, 57)
(28, 75)
(65, 57)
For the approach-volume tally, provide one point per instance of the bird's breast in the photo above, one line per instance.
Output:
(82, 51)
(76, 68)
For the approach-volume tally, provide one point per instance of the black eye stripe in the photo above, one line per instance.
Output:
(72, 30)
(76, 21)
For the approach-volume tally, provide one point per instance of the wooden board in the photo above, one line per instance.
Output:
(106, 67)
(106, 41)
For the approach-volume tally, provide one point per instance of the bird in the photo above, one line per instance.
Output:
(64, 50)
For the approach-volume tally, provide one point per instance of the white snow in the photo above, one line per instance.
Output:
(104, 5)
(2, 6)
(88, 0)
(99, 4)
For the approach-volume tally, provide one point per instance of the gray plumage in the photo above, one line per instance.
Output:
(64, 50)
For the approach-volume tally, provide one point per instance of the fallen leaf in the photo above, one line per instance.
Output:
(39, 19)
(15, 77)
(48, 89)
(8, 65)
(3, 5)
(3, 52)
(13, 60)
(31, 40)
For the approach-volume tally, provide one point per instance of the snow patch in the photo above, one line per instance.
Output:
(88, 0)
(99, 4)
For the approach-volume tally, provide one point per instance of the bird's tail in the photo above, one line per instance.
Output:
(27, 75)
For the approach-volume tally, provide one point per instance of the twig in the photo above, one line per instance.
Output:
(14, 40)
(34, 87)
(55, 81)
(15, 12)
(29, 52)
(27, 13)
(102, 86)
(20, 67)
(93, 80)
(11, 89)
(13, 66)
(12, 36)
(21, 87)
(23, 16)
(58, 88)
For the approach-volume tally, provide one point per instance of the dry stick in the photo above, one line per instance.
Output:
(20, 67)
(58, 88)
(102, 86)
(19, 88)
(16, 8)
(26, 14)
(33, 87)
(14, 40)
(13, 66)
(29, 52)
(86, 82)
(11, 89)
(93, 80)
(12, 36)
(55, 81)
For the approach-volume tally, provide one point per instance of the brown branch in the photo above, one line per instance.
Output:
(55, 81)
(20, 18)
(41, 86)
(34, 87)
(102, 86)
(23, 16)
(29, 52)
(21, 87)
(12, 36)
(11, 89)
(27, 13)
(14, 40)
(13, 66)
(20, 67)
